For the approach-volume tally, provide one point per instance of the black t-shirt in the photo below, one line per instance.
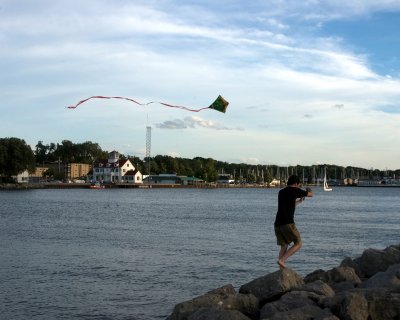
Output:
(287, 204)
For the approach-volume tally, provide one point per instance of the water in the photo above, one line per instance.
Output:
(135, 253)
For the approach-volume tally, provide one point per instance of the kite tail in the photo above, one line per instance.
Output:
(104, 97)
(220, 104)
(181, 107)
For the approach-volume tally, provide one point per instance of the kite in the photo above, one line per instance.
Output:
(220, 104)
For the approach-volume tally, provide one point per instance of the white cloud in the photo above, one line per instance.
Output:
(284, 82)
(193, 122)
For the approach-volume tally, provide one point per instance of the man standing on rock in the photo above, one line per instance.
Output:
(285, 228)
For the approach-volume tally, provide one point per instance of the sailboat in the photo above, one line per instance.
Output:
(326, 187)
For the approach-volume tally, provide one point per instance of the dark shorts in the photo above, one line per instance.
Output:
(287, 234)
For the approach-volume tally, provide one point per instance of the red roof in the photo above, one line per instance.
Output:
(131, 172)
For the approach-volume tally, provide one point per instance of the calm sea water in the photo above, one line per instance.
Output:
(134, 254)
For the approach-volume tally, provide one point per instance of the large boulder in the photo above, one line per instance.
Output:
(272, 286)
(303, 313)
(214, 314)
(373, 261)
(333, 276)
(365, 304)
(353, 306)
(390, 279)
(289, 301)
(224, 298)
(318, 287)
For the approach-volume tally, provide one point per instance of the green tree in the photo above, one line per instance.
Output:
(15, 157)
(67, 151)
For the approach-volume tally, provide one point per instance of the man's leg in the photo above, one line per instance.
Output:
(282, 252)
(291, 251)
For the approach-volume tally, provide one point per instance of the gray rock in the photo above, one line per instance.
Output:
(224, 298)
(343, 286)
(214, 314)
(307, 312)
(225, 290)
(382, 305)
(335, 275)
(390, 279)
(325, 314)
(348, 262)
(289, 301)
(373, 261)
(272, 286)
(318, 287)
(354, 306)
(365, 304)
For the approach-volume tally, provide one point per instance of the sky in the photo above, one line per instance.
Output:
(308, 82)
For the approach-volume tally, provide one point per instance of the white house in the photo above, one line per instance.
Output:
(116, 171)
(22, 177)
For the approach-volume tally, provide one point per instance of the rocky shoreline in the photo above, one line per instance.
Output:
(365, 288)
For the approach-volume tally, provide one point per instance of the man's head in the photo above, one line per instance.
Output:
(293, 180)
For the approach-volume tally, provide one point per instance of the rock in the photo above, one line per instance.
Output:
(365, 304)
(318, 287)
(390, 279)
(373, 261)
(289, 301)
(307, 312)
(213, 314)
(225, 290)
(348, 262)
(272, 286)
(366, 288)
(335, 275)
(325, 314)
(382, 305)
(224, 298)
(342, 286)
(316, 275)
(353, 306)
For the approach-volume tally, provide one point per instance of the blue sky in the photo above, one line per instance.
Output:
(308, 82)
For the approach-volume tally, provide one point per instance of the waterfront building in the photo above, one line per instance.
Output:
(74, 171)
(114, 170)
(172, 179)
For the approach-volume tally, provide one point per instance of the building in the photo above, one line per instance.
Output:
(74, 171)
(172, 179)
(67, 171)
(22, 177)
(225, 178)
(114, 170)
(164, 178)
(38, 174)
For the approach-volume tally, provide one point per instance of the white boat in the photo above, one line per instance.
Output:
(326, 187)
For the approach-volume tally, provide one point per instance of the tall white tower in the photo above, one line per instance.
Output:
(148, 147)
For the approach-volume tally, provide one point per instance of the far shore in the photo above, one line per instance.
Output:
(25, 186)
(59, 185)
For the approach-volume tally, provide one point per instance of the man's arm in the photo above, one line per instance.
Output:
(298, 201)
(309, 192)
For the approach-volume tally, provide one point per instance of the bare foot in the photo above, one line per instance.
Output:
(281, 264)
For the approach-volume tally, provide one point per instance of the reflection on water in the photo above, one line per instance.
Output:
(134, 254)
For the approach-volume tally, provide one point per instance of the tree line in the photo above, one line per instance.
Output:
(16, 156)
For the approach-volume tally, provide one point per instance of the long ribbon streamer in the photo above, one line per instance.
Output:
(138, 103)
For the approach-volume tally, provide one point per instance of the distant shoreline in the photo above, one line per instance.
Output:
(32, 186)
(26, 186)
